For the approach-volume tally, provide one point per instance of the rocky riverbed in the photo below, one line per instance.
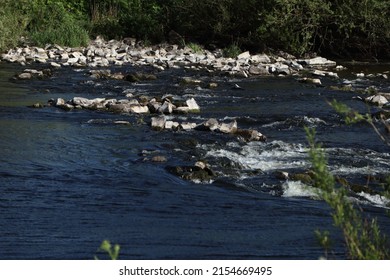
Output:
(180, 159)
(104, 61)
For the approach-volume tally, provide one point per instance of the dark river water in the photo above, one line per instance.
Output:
(69, 180)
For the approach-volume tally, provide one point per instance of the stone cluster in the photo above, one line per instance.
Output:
(212, 125)
(101, 53)
(127, 106)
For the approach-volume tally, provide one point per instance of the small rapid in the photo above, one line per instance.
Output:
(70, 179)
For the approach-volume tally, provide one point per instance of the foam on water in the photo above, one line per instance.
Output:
(298, 120)
(263, 156)
(298, 189)
(376, 200)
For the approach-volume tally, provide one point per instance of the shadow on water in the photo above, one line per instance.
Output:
(71, 179)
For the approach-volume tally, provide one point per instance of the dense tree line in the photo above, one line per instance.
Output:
(345, 28)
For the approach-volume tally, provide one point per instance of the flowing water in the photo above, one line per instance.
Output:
(69, 180)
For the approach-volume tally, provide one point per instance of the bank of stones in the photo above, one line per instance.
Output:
(101, 53)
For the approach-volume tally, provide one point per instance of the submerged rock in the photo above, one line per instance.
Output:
(249, 135)
(200, 172)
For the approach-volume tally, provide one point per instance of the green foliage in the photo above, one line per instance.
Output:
(362, 236)
(112, 251)
(324, 240)
(350, 116)
(11, 25)
(195, 47)
(342, 27)
(292, 25)
(232, 50)
(358, 26)
(52, 23)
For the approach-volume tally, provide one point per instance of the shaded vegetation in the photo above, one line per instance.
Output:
(339, 28)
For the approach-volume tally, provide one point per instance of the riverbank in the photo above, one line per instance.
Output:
(101, 53)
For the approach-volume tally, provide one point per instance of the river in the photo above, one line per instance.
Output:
(69, 180)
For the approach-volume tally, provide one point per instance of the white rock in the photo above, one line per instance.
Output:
(138, 109)
(59, 102)
(81, 101)
(377, 99)
(260, 58)
(55, 64)
(166, 108)
(228, 127)
(187, 126)
(158, 123)
(317, 61)
(192, 105)
(244, 55)
(171, 125)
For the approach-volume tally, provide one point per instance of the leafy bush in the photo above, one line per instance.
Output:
(53, 23)
(12, 24)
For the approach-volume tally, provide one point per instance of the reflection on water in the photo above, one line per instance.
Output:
(68, 180)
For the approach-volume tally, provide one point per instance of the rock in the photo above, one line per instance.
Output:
(212, 85)
(192, 105)
(209, 125)
(258, 70)
(260, 58)
(305, 178)
(228, 127)
(25, 76)
(313, 81)
(166, 108)
(59, 102)
(159, 159)
(55, 64)
(377, 99)
(122, 122)
(282, 175)
(171, 125)
(250, 135)
(190, 81)
(322, 73)
(317, 61)
(244, 55)
(192, 173)
(187, 126)
(81, 101)
(158, 123)
(137, 77)
(37, 105)
(154, 106)
(119, 108)
(138, 109)
(66, 107)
